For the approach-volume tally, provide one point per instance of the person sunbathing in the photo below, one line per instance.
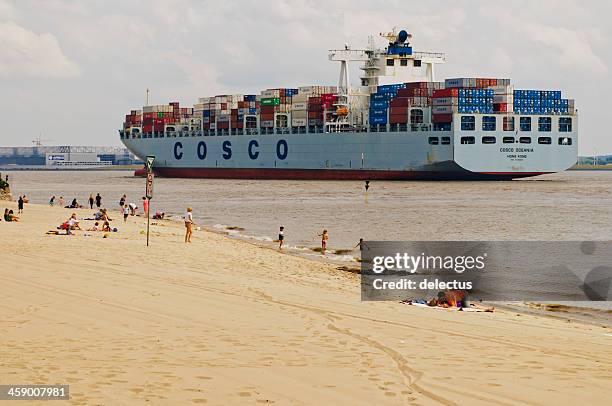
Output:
(73, 222)
(106, 226)
(9, 216)
(95, 227)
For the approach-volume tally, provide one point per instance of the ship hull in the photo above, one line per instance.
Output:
(411, 155)
(320, 174)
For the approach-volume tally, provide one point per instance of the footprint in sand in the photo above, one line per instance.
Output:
(244, 394)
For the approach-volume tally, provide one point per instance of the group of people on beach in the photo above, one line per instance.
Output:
(9, 215)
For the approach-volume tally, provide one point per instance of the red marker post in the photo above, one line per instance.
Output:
(149, 190)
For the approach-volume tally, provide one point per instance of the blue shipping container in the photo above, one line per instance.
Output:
(378, 112)
(378, 120)
(379, 104)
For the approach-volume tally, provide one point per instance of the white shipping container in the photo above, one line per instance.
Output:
(445, 101)
(443, 109)
(267, 123)
(509, 89)
(270, 93)
(299, 114)
(300, 98)
(220, 99)
(503, 98)
(223, 117)
(299, 122)
(299, 106)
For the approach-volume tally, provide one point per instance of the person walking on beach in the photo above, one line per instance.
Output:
(188, 217)
(145, 205)
(20, 205)
(91, 201)
(61, 201)
(126, 212)
(324, 237)
(281, 237)
(122, 201)
(98, 200)
(52, 201)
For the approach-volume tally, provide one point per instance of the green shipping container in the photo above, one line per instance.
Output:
(270, 101)
(160, 115)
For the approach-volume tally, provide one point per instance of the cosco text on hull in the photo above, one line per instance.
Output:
(201, 150)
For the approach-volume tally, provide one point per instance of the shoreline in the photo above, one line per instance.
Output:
(223, 322)
(565, 311)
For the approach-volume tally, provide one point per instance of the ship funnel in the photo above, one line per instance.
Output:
(401, 37)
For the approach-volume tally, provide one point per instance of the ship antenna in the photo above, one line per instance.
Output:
(147, 98)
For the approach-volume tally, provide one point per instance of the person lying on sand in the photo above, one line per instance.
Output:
(106, 226)
(159, 215)
(95, 227)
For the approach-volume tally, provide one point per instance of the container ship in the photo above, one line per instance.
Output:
(398, 124)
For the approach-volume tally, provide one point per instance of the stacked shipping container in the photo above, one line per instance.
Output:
(391, 104)
(542, 102)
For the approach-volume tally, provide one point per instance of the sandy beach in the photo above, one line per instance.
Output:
(222, 321)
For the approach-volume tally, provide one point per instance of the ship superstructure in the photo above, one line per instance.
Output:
(399, 123)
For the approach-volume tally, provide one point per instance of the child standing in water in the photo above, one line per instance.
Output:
(281, 237)
(324, 237)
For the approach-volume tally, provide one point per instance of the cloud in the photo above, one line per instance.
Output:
(570, 47)
(24, 53)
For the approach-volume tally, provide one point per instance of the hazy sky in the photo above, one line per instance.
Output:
(71, 69)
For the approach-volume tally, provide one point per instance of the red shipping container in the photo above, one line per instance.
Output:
(399, 110)
(398, 119)
(267, 109)
(501, 107)
(267, 116)
(416, 85)
(442, 118)
(453, 92)
(399, 102)
(314, 100)
(222, 125)
(147, 128)
(315, 114)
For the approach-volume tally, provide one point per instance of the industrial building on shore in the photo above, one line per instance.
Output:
(65, 157)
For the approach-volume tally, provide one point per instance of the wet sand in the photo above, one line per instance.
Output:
(222, 321)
